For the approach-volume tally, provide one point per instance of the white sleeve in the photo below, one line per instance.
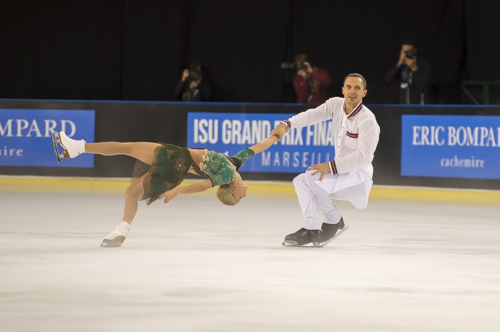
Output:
(321, 113)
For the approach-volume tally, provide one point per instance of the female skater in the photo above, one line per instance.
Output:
(168, 166)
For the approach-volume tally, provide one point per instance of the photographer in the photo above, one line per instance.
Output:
(193, 86)
(310, 83)
(412, 75)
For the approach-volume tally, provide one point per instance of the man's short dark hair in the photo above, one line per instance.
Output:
(410, 41)
(195, 65)
(358, 76)
(300, 58)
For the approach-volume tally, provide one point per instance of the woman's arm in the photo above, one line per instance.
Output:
(191, 189)
(266, 143)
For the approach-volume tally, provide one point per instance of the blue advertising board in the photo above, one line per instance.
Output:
(26, 136)
(230, 133)
(451, 146)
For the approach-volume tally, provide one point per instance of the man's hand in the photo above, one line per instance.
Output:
(412, 63)
(194, 84)
(402, 58)
(309, 68)
(185, 74)
(169, 195)
(280, 130)
(323, 168)
(302, 73)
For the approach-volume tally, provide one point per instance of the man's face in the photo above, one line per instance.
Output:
(405, 48)
(353, 90)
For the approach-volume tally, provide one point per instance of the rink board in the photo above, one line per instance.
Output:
(258, 188)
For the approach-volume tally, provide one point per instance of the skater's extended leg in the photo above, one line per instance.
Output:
(143, 151)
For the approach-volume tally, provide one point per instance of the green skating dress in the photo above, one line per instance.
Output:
(172, 164)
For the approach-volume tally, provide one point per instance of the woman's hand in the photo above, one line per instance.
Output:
(169, 195)
(280, 130)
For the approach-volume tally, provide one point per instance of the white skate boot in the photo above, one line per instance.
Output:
(72, 148)
(116, 237)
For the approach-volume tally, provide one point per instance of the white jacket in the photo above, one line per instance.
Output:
(356, 135)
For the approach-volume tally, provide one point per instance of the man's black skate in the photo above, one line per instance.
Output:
(302, 237)
(331, 231)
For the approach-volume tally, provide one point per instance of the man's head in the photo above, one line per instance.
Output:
(194, 75)
(358, 76)
(195, 78)
(233, 192)
(354, 89)
(300, 64)
(195, 66)
(409, 46)
(300, 58)
(302, 70)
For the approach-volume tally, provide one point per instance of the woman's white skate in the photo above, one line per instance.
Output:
(116, 242)
(117, 236)
(71, 148)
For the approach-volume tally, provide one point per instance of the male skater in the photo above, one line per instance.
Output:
(348, 176)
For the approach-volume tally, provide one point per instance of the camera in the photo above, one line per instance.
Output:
(194, 75)
(302, 66)
(410, 54)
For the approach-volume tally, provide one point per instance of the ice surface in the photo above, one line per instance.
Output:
(196, 265)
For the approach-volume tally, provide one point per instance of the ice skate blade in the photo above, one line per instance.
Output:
(65, 153)
(336, 235)
(55, 140)
(285, 244)
(116, 242)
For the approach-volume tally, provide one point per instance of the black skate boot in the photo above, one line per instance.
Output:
(331, 231)
(302, 237)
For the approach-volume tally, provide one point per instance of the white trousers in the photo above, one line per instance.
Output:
(353, 186)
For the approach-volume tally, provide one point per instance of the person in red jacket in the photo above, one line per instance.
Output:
(310, 83)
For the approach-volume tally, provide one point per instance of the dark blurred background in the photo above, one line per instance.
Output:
(137, 50)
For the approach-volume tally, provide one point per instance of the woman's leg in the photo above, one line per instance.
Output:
(143, 151)
(132, 195)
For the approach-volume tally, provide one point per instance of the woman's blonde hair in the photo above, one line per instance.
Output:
(225, 196)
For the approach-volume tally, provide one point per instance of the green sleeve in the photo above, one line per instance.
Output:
(242, 157)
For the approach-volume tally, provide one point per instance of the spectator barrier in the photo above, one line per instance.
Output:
(429, 146)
